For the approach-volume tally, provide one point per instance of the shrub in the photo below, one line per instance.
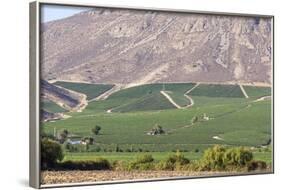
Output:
(157, 130)
(195, 165)
(117, 149)
(62, 137)
(256, 165)
(213, 158)
(142, 162)
(237, 156)
(128, 150)
(173, 162)
(51, 153)
(145, 158)
(96, 130)
(194, 119)
(98, 164)
(67, 146)
(43, 134)
(165, 165)
(141, 166)
(119, 165)
(178, 158)
(96, 149)
(220, 158)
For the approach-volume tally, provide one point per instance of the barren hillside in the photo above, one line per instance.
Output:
(70, 100)
(136, 47)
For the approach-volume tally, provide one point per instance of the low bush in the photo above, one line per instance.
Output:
(213, 158)
(219, 158)
(51, 153)
(256, 165)
(142, 162)
(196, 150)
(173, 162)
(237, 156)
(141, 166)
(98, 164)
(145, 158)
(119, 165)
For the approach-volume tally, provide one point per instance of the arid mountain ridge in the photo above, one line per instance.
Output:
(67, 99)
(137, 47)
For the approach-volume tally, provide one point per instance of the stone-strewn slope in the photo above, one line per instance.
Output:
(70, 100)
(136, 47)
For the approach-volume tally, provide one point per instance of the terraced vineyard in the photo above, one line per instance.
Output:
(254, 91)
(51, 107)
(91, 90)
(233, 120)
(216, 90)
(141, 98)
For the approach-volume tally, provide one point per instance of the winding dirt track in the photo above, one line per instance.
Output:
(244, 91)
(106, 94)
(190, 100)
(168, 97)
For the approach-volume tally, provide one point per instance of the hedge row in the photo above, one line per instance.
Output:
(98, 164)
(217, 158)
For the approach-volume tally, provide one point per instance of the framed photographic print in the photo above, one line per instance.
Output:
(127, 94)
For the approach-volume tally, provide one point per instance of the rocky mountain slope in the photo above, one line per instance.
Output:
(136, 47)
(70, 100)
(47, 116)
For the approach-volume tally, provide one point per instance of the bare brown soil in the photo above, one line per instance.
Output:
(56, 177)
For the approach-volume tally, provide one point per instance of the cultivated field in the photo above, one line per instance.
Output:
(127, 115)
(91, 90)
(51, 107)
(158, 156)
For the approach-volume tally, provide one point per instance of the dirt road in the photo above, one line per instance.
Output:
(170, 99)
(185, 95)
(108, 93)
(243, 90)
(55, 177)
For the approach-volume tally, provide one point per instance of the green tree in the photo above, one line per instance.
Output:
(194, 119)
(221, 158)
(67, 146)
(96, 130)
(51, 153)
(117, 149)
(238, 156)
(63, 136)
(91, 140)
(65, 132)
(157, 130)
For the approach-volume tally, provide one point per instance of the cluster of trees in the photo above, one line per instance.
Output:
(52, 151)
(52, 155)
(217, 158)
(157, 130)
(221, 158)
(96, 130)
(63, 136)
